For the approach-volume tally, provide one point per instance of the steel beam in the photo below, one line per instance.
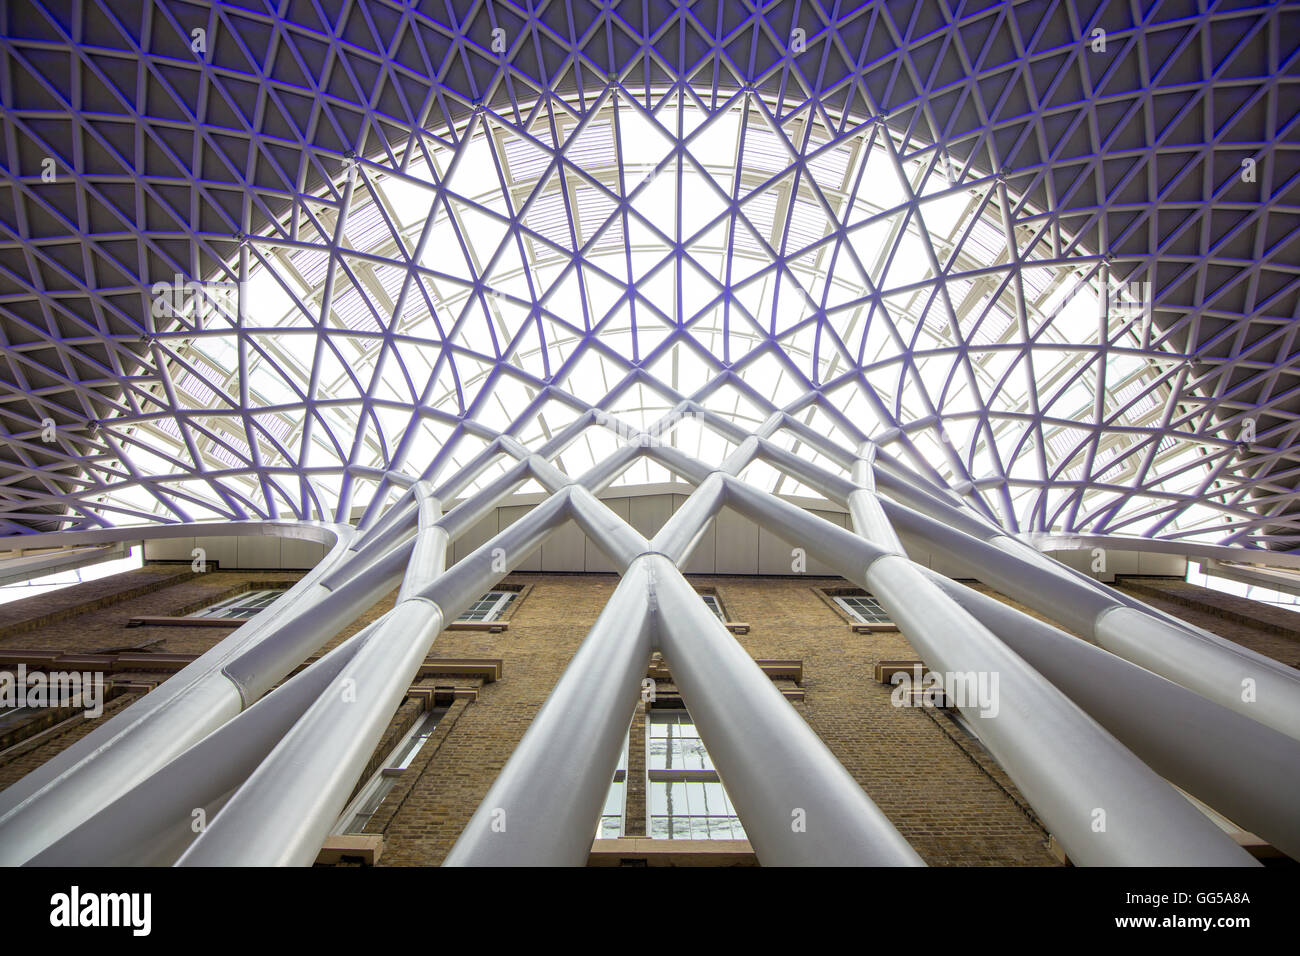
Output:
(1100, 801)
(1241, 680)
(1204, 748)
(544, 807)
(154, 822)
(798, 804)
(282, 813)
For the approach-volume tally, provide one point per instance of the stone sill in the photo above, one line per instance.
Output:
(643, 851)
(492, 627)
(364, 848)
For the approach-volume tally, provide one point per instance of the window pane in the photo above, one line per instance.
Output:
(611, 820)
(422, 735)
(675, 743)
(370, 805)
(489, 607)
(242, 606)
(686, 809)
(693, 754)
(864, 608)
(657, 797)
(714, 605)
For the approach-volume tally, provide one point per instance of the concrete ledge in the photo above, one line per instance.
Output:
(774, 669)
(487, 668)
(186, 621)
(795, 695)
(442, 696)
(363, 848)
(642, 851)
(885, 670)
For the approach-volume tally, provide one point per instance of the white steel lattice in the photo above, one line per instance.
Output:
(1029, 266)
(276, 770)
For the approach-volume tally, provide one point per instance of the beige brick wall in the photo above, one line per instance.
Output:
(917, 769)
(943, 791)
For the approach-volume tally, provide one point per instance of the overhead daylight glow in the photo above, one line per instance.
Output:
(628, 257)
(1052, 278)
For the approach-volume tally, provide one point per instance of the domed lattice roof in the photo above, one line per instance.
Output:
(284, 265)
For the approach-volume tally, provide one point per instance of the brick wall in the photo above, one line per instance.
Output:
(946, 795)
(954, 808)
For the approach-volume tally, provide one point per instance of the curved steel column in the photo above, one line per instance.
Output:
(544, 807)
(1208, 750)
(1214, 669)
(155, 822)
(1103, 804)
(128, 747)
(798, 804)
(282, 813)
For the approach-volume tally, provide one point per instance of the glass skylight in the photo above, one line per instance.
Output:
(62, 579)
(626, 257)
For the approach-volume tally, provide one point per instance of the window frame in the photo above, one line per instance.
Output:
(505, 599)
(671, 776)
(714, 604)
(620, 780)
(395, 764)
(843, 602)
(236, 601)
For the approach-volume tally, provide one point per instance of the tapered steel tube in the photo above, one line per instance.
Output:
(127, 748)
(545, 805)
(141, 749)
(283, 812)
(1028, 553)
(798, 804)
(257, 670)
(610, 533)
(1241, 679)
(835, 487)
(467, 474)
(368, 548)
(1103, 804)
(474, 509)
(274, 778)
(681, 533)
(1246, 771)
(1248, 683)
(155, 822)
(606, 470)
(911, 491)
(429, 556)
(865, 511)
(399, 510)
(1236, 681)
